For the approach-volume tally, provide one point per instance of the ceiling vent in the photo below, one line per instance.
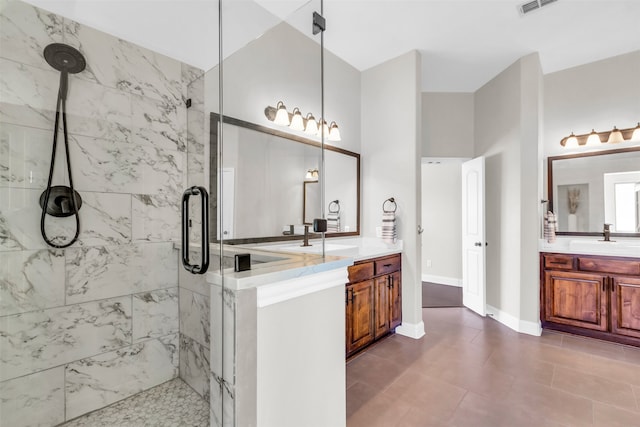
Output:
(533, 5)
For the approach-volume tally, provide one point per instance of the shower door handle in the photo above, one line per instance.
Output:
(204, 198)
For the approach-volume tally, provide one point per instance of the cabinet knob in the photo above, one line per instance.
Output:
(477, 244)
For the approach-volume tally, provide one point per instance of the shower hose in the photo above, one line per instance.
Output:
(68, 204)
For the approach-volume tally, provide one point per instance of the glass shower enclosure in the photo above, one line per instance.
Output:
(115, 313)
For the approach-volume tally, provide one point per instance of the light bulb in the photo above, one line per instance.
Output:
(636, 134)
(334, 132)
(593, 139)
(312, 125)
(571, 142)
(615, 136)
(324, 130)
(297, 123)
(282, 116)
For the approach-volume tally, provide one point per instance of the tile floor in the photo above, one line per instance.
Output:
(470, 371)
(171, 404)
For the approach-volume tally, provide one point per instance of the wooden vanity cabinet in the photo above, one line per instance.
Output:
(577, 299)
(360, 330)
(591, 295)
(373, 299)
(625, 306)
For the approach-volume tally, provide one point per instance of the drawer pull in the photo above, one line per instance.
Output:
(387, 265)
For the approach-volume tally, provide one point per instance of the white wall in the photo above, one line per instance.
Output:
(596, 96)
(506, 133)
(441, 219)
(391, 121)
(284, 65)
(447, 129)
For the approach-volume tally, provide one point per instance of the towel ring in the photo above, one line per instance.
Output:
(337, 206)
(390, 200)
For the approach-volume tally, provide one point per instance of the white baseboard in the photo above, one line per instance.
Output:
(518, 325)
(411, 330)
(442, 280)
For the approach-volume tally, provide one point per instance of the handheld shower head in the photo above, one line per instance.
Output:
(64, 58)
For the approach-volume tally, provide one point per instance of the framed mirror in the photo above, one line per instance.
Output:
(588, 190)
(265, 195)
(311, 202)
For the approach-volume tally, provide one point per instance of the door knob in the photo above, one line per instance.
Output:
(477, 244)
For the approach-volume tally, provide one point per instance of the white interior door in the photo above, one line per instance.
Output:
(473, 238)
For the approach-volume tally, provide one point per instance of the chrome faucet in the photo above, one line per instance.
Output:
(306, 237)
(607, 232)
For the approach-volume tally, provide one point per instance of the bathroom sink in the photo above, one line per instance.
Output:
(615, 247)
(316, 248)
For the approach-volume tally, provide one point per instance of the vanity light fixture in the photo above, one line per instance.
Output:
(312, 175)
(594, 138)
(280, 116)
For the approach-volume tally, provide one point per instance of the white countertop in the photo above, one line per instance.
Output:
(592, 245)
(295, 261)
(357, 248)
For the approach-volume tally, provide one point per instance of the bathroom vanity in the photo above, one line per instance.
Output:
(282, 329)
(591, 294)
(373, 299)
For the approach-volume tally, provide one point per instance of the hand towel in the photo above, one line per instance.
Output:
(333, 222)
(389, 232)
(550, 227)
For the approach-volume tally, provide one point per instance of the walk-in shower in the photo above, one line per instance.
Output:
(60, 200)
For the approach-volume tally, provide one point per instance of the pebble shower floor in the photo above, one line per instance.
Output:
(171, 404)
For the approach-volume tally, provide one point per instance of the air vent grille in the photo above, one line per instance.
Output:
(528, 7)
(533, 5)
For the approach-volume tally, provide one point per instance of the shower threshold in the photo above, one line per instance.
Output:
(173, 403)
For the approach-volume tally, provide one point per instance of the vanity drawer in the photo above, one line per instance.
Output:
(388, 265)
(360, 272)
(558, 262)
(613, 266)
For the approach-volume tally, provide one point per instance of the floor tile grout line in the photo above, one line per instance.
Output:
(593, 401)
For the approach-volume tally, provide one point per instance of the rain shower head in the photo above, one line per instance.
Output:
(63, 57)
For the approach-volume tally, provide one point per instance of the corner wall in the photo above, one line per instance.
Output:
(447, 124)
(507, 133)
(391, 122)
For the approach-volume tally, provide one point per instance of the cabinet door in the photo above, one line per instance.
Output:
(395, 300)
(359, 319)
(577, 299)
(625, 306)
(381, 311)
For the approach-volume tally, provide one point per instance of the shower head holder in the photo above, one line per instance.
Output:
(60, 203)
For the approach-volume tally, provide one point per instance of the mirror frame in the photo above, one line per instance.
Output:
(550, 161)
(214, 122)
(304, 201)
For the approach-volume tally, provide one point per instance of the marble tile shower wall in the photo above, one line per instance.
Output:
(86, 326)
